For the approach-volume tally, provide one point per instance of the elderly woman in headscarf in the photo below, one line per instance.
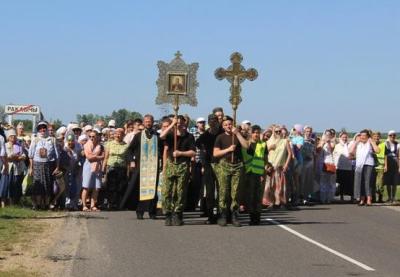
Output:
(16, 166)
(391, 175)
(327, 183)
(297, 142)
(307, 173)
(115, 166)
(42, 154)
(279, 157)
(20, 131)
(344, 167)
(72, 172)
(266, 135)
(3, 168)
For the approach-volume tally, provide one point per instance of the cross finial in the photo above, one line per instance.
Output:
(236, 74)
(178, 54)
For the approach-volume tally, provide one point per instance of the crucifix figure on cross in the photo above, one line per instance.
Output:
(236, 74)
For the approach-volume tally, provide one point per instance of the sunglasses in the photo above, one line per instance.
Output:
(92, 137)
(277, 132)
(392, 135)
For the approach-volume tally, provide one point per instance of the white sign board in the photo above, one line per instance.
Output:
(22, 109)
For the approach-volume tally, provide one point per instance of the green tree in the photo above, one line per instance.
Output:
(2, 114)
(89, 118)
(57, 123)
(27, 124)
(120, 116)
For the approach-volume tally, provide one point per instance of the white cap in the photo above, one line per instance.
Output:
(42, 122)
(246, 122)
(97, 130)
(391, 132)
(105, 130)
(82, 138)
(200, 119)
(73, 126)
(87, 128)
(111, 123)
(10, 132)
(61, 130)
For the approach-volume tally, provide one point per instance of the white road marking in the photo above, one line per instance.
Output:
(344, 257)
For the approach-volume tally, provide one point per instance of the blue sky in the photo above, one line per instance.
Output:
(324, 63)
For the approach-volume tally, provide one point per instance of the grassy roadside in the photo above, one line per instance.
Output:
(18, 228)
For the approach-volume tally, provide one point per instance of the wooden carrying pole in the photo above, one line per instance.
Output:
(233, 135)
(176, 109)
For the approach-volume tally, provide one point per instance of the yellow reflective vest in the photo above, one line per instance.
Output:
(246, 160)
(256, 163)
(380, 158)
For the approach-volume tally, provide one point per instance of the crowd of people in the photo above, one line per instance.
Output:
(216, 167)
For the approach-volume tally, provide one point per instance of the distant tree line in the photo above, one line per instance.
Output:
(120, 116)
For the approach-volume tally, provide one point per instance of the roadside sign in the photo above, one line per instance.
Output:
(22, 109)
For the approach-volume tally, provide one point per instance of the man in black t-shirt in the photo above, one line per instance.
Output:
(227, 149)
(176, 170)
(206, 143)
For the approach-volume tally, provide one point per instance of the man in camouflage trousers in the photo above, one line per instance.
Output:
(176, 170)
(229, 170)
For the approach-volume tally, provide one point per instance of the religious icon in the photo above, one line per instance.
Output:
(177, 83)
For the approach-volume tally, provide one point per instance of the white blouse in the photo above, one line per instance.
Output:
(364, 155)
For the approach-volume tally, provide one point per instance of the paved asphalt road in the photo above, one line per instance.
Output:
(116, 244)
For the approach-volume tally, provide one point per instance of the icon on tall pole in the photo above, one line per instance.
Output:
(177, 85)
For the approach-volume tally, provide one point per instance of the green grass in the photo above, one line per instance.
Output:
(21, 213)
(17, 225)
(18, 273)
(17, 228)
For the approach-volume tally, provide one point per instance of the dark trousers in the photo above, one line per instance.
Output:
(345, 179)
(194, 187)
(116, 185)
(255, 191)
(16, 188)
(131, 199)
(210, 184)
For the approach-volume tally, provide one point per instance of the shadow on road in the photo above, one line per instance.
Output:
(282, 216)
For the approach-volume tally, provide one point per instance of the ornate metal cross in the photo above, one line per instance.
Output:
(236, 74)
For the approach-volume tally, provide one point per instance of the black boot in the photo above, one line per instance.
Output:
(177, 219)
(168, 219)
(235, 219)
(380, 198)
(222, 219)
(257, 218)
(211, 217)
(228, 217)
(139, 215)
(152, 216)
(252, 219)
